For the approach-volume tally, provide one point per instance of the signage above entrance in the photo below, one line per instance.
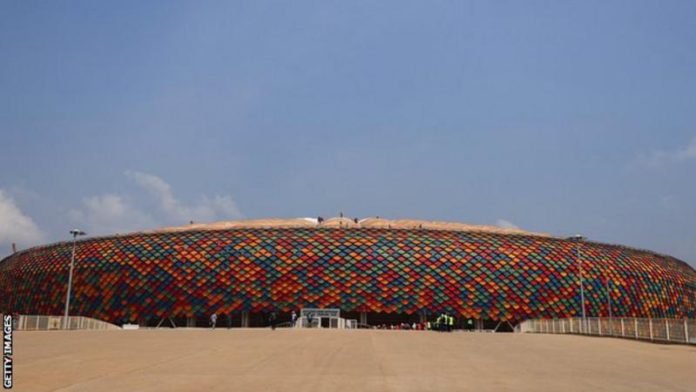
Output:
(331, 312)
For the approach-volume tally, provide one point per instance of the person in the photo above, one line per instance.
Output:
(451, 323)
(293, 318)
(272, 320)
(213, 320)
(309, 320)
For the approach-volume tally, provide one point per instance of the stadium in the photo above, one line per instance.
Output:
(374, 270)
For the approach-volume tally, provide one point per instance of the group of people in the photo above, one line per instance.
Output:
(272, 319)
(443, 323)
(405, 326)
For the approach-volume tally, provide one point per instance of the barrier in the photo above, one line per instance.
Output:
(49, 323)
(652, 329)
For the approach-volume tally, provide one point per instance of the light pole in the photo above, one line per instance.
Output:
(578, 239)
(608, 288)
(75, 233)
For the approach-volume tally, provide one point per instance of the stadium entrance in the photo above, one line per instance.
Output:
(323, 318)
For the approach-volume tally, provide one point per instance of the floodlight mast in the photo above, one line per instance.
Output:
(75, 233)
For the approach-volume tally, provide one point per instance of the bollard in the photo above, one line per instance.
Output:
(667, 328)
(651, 331)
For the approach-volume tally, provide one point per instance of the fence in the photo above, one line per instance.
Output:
(47, 323)
(653, 329)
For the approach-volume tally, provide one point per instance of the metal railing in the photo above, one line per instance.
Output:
(49, 323)
(653, 329)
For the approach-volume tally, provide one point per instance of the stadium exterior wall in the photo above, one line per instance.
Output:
(496, 276)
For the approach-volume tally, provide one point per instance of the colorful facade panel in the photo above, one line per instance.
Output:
(482, 275)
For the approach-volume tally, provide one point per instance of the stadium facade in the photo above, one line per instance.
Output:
(380, 270)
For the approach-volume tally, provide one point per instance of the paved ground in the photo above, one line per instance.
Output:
(324, 360)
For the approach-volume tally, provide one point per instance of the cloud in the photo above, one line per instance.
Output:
(115, 213)
(661, 158)
(15, 226)
(506, 224)
(110, 213)
(205, 210)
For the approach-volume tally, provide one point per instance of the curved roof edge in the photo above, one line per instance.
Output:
(343, 222)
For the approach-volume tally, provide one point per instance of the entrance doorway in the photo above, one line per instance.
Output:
(320, 318)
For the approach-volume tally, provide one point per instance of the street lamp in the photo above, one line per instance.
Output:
(608, 288)
(75, 233)
(578, 239)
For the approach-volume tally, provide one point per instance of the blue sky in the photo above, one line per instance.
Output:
(559, 117)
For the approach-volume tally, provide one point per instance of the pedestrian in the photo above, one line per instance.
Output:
(293, 318)
(309, 320)
(213, 320)
(451, 323)
(272, 320)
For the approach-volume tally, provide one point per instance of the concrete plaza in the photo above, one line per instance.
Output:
(343, 360)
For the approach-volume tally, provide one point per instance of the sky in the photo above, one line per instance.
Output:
(556, 117)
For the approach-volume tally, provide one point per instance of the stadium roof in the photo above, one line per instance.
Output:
(338, 222)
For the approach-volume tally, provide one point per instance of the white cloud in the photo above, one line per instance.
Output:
(506, 224)
(15, 226)
(205, 210)
(115, 213)
(110, 213)
(660, 158)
